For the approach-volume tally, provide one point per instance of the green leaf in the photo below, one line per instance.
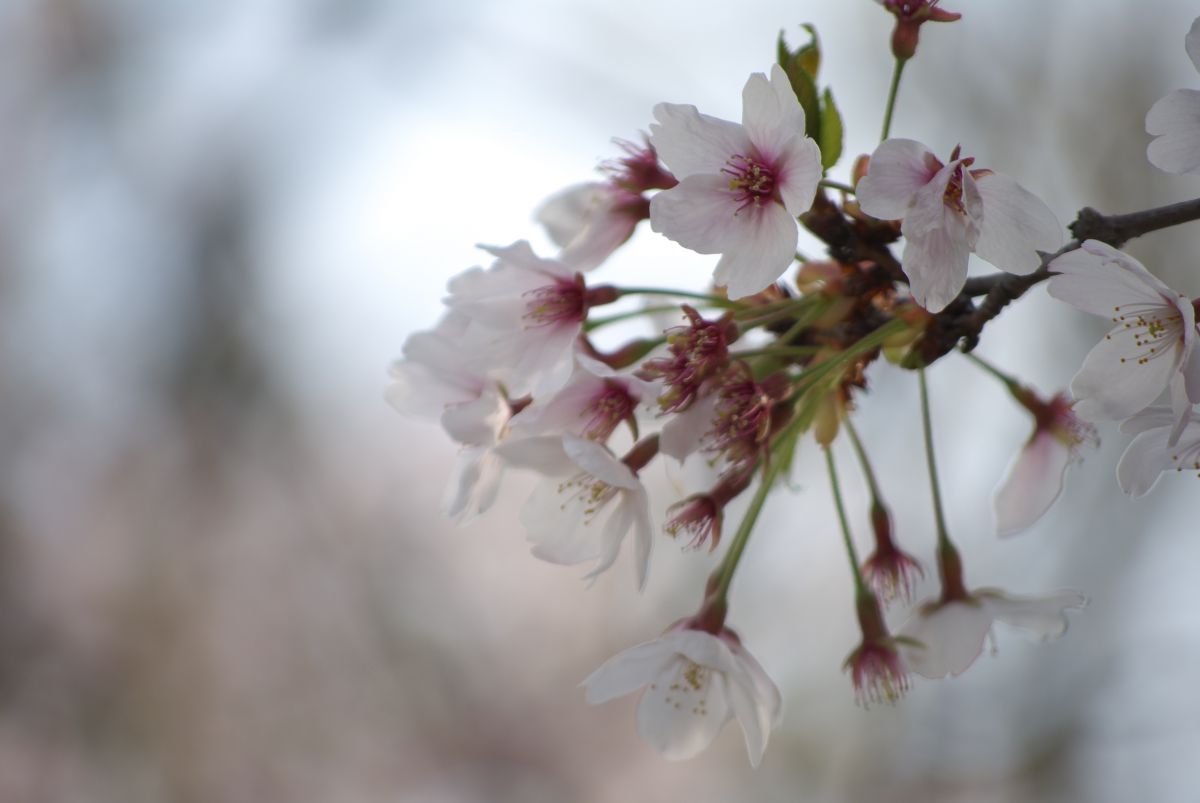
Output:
(809, 56)
(801, 68)
(830, 139)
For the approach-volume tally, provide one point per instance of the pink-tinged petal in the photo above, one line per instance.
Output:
(643, 535)
(543, 454)
(764, 247)
(700, 213)
(671, 716)
(520, 255)
(756, 704)
(898, 168)
(927, 209)
(1150, 418)
(936, 266)
(1033, 481)
(474, 484)
(566, 214)
(1191, 373)
(615, 529)
(628, 671)
(797, 173)
(478, 422)
(1176, 119)
(1181, 408)
(689, 142)
(684, 432)
(1044, 617)
(1144, 461)
(771, 114)
(950, 636)
(1114, 383)
(598, 461)
(1099, 279)
(1191, 43)
(1016, 225)
(493, 297)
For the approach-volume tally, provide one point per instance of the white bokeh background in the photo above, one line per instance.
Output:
(223, 573)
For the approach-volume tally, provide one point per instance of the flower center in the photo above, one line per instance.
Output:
(687, 687)
(587, 492)
(953, 196)
(562, 302)
(608, 408)
(1154, 328)
(750, 180)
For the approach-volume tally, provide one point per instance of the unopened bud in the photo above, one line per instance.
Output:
(827, 420)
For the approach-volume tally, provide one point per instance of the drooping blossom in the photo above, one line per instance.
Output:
(745, 414)
(950, 211)
(944, 637)
(532, 310)
(1152, 343)
(1175, 121)
(589, 501)
(695, 682)
(1150, 453)
(702, 515)
(876, 666)
(741, 186)
(910, 16)
(590, 221)
(438, 378)
(890, 572)
(592, 404)
(1035, 477)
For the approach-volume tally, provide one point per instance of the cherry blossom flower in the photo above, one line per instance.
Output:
(702, 515)
(950, 211)
(945, 637)
(589, 221)
(741, 186)
(592, 404)
(1035, 477)
(876, 667)
(695, 682)
(1175, 121)
(585, 484)
(1151, 344)
(910, 16)
(533, 310)
(436, 379)
(1150, 453)
(890, 571)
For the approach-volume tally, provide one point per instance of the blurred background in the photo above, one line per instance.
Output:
(224, 575)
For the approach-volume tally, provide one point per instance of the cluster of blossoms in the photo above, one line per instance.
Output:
(759, 363)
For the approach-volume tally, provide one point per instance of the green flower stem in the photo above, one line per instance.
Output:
(742, 536)
(1012, 384)
(596, 323)
(777, 351)
(860, 586)
(943, 535)
(868, 472)
(715, 301)
(891, 101)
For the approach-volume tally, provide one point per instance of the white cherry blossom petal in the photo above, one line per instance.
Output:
(898, 168)
(1016, 225)
(1115, 383)
(936, 265)
(628, 671)
(763, 247)
(1044, 617)
(771, 114)
(799, 170)
(949, 638)
(1099, 279)
(599, 462)
(684, 432)
(682, 712)
(1175, 119)
(1146, 458)
(1032, 483)
(700, 213)
(689, 142)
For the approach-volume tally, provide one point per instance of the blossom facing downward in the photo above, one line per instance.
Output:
(695, 682)
(950, 211)
(1152, 343)
(1035, 477)
(876, 666)
(588, 502)
(945, 637)
(1150, 453)
(1175, 121)
(910, 16)
(741, 186)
